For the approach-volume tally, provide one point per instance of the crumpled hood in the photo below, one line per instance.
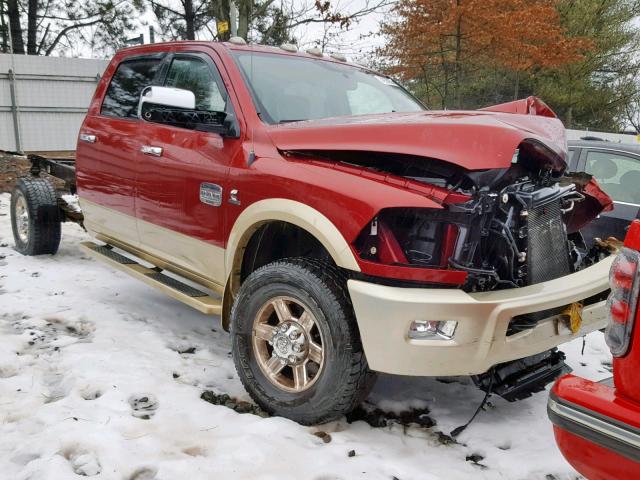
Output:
(475, 140)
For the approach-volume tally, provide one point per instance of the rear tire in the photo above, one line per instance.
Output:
(35, 217)
(326, 375)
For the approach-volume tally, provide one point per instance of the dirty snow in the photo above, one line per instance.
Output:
(93, 383)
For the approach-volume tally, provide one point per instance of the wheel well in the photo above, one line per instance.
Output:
(277, 240)
(270, 241)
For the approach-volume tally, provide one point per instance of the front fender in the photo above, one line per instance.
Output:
(296, 213)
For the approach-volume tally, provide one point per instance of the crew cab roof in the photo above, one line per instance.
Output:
(278, 50)
(241, 48)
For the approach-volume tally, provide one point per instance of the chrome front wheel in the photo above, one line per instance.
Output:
(288, 344)
(295, 341)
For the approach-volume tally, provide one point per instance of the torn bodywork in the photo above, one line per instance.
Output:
(523, 228)
(506, 227)
(508, 215)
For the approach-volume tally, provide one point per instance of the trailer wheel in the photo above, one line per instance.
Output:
(35, 217)
(296, 344)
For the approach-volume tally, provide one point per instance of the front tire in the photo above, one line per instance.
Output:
(35, 217)
(296, 344)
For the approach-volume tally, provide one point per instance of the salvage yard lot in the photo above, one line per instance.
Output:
(101, 375)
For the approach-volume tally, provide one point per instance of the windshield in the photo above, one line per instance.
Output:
(289, 89)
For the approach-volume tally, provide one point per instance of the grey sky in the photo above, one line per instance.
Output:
(354, 41)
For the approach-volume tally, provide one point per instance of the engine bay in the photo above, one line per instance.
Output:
(507, 228)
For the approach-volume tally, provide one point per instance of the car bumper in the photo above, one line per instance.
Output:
(596, 429)
(384, 314)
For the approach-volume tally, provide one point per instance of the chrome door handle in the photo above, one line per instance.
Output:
(85, 137)
(149, 150)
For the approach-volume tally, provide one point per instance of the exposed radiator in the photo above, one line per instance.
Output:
(547, 247)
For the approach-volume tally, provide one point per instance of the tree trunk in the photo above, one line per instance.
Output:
(3, 26)
(516, 90)
(457, 94)
(221, 11)
(244, 12)
(32, 27)
(14, 24)
(189, 18)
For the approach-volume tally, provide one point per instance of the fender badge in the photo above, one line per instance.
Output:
(233, 197)
(211, 194)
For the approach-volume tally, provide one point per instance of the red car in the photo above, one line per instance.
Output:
(597, 424)
(336, 226)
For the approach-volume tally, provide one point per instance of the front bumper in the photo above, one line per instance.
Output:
(385, 313)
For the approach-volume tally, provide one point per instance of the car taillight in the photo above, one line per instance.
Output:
(622, 302)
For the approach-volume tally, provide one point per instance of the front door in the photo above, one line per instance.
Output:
(182, 185)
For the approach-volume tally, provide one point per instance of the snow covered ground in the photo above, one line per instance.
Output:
(92, 382)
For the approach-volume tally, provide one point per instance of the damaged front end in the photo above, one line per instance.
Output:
(504, 228)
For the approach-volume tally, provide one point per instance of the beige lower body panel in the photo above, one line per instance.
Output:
(384, 314)
(102, 220)
(203, 258)
(199, 261)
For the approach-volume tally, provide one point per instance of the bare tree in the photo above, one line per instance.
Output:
(265, 21)
(181, 20)
(57, 25)
(13, 12)
(32, 24)
(4, 29)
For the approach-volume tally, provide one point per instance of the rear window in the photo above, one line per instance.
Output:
(126, 85)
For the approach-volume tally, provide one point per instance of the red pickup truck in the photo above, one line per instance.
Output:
(337, 226)
(597, 424)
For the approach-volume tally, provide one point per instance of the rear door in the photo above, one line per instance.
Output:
(183, 188)
(618, 174)
(108, 148)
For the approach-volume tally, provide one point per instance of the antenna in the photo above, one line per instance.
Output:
(252, 152)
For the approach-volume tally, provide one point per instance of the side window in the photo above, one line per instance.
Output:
(126, 85)
(193, 74)
(618, 174)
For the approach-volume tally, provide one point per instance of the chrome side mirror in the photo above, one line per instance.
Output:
(167, 97)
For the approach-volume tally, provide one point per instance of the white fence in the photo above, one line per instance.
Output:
(43, 100)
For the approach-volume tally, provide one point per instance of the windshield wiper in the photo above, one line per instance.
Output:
(293, 120)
